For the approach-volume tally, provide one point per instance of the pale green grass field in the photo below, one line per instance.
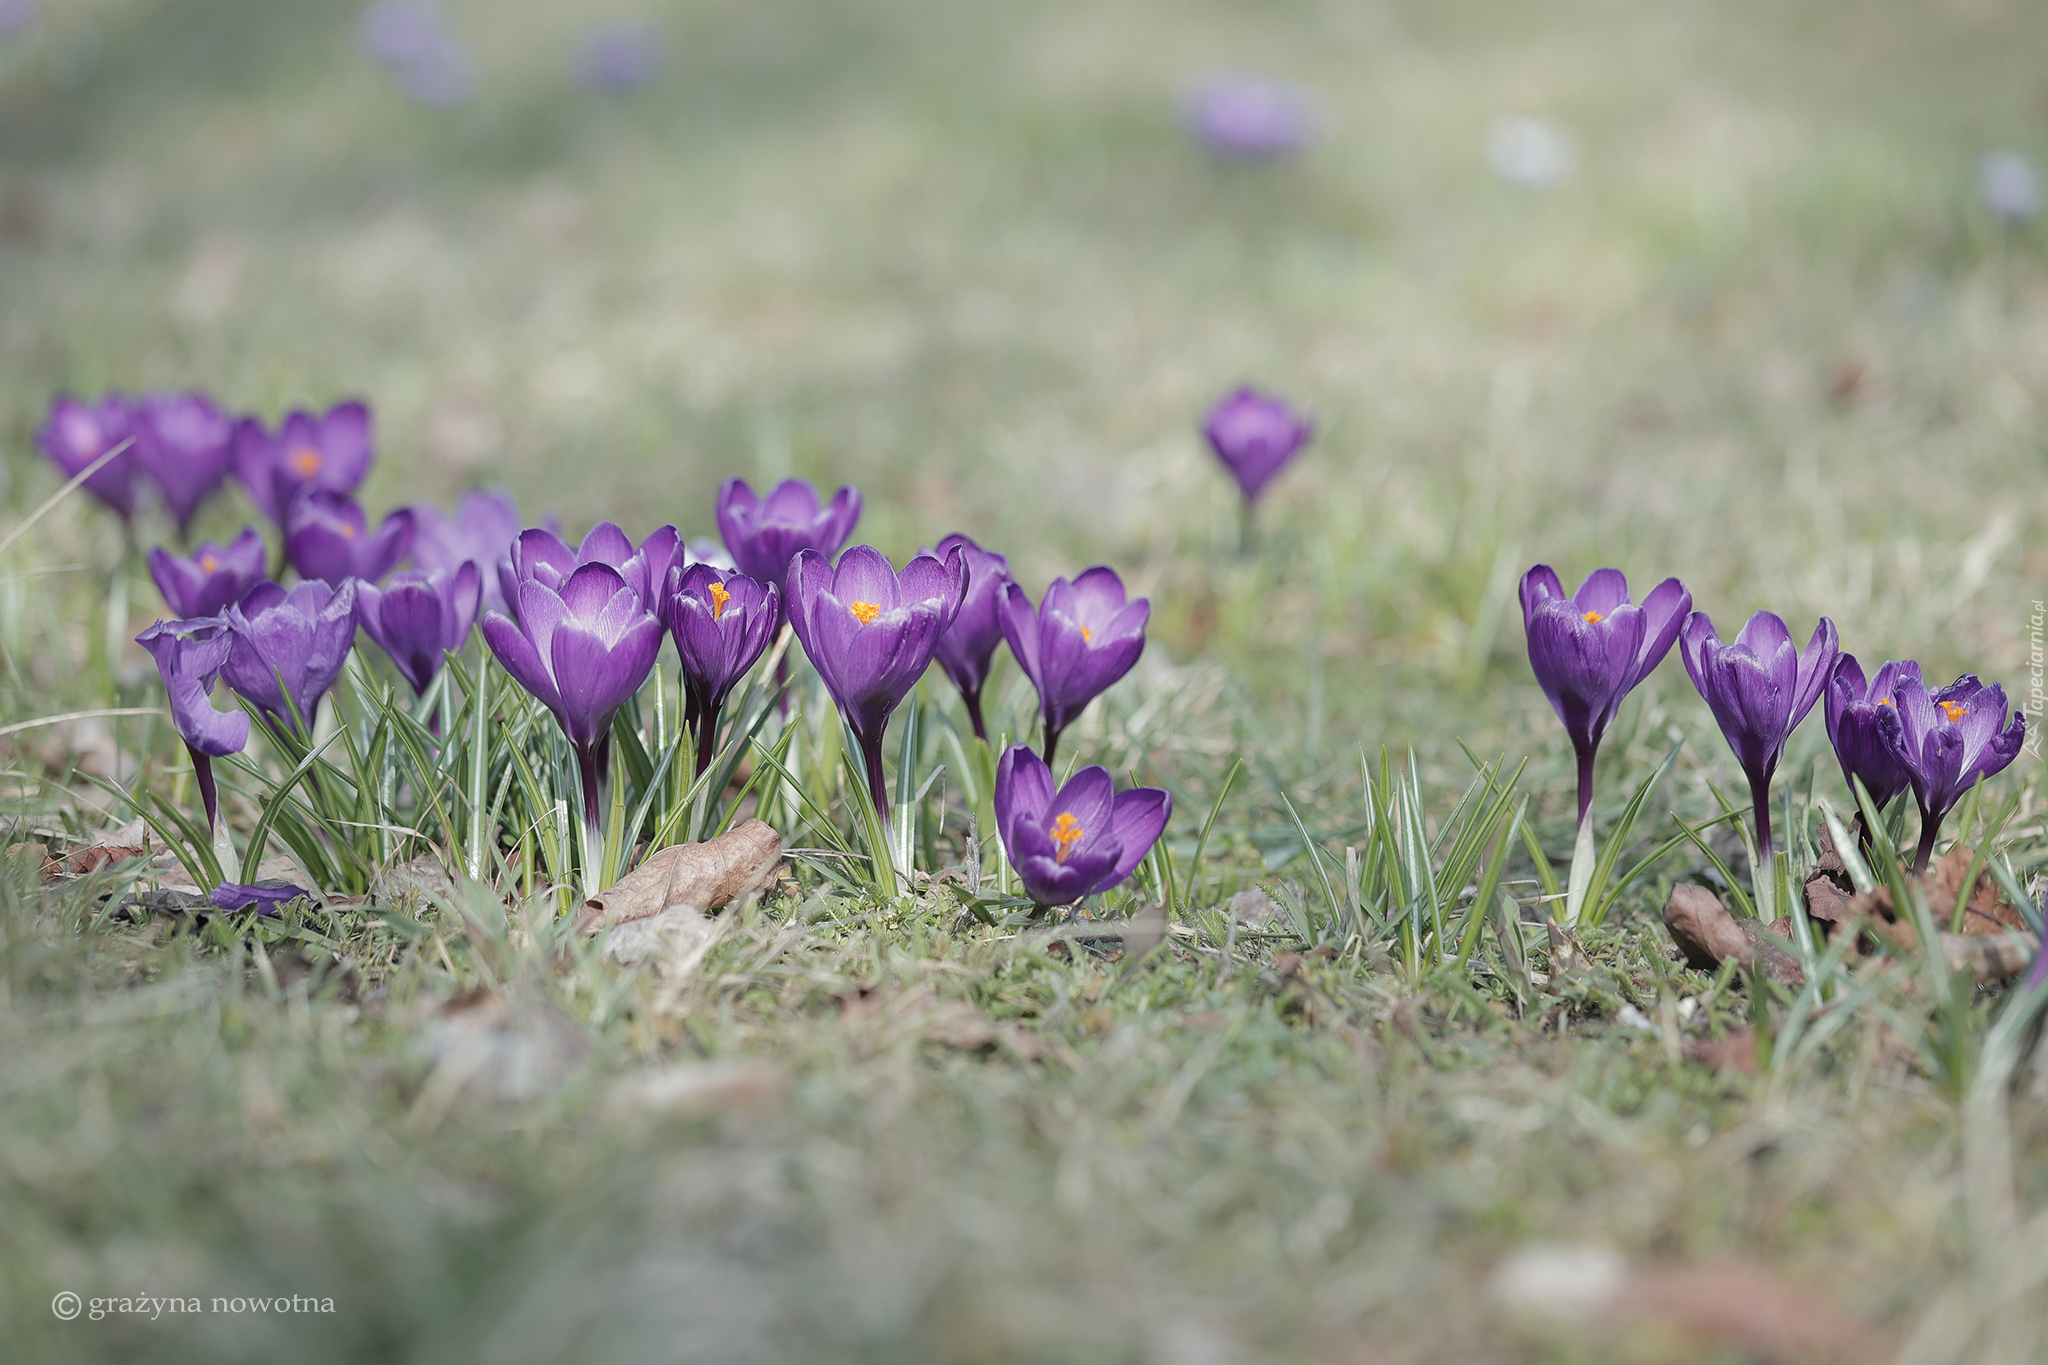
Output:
(962, 255)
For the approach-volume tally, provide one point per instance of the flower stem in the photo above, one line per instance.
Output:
(1930, 827)
(1586, 755)
(591, 761)
(973, 700)
(878, 785)
(707, 738)
(202, 769)
(1762, 886)
(1052, 742)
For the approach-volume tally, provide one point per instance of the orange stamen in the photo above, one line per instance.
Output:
(1066, 832)
(1954, 710)
(865, 612)
(1087, 636)
(1593, 618)
(305, 461)
(719, 597)
(207, 563)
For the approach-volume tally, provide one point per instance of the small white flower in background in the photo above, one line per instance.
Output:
(2008, 186)
(1529, 153)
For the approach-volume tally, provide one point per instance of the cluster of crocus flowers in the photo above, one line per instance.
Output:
(1084, 838)
(1895, 732)
(180, 444)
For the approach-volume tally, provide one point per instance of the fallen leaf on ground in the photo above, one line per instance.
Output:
(1708, 936)
(704, 877)
(1736, 1052)
(694, 1088)
(681, 936)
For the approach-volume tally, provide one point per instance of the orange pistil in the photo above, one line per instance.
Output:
(207, 563)
(305, 461)
(865, 612)
(1954, 710)
(348, 532)
(1887, 701)
(1593, 618)
(719, 597)
(1066, 832)
(1087, 636)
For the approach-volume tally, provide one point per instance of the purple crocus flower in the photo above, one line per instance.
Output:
(189, 656)
(1759, 687)
(765, 534)
(1250, 118)
(485, 524)
(186, 444)
(545, 558)
(721, 622)
(1947, 740)
(332, 452)
(970, 642)
(77, 433)
(213, 577)
(581, 651)
(268, 897)
(618, 54)
(326, 536)
(289, 648)
(412, 40)
(1589, 650)
(871, 633)
(1080, 640)
(1852, 714)
(417, 617)
(1256, 435)
(1084, 838)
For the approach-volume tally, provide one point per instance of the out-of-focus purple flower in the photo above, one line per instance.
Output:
(419, 616)
(186, 444)
(1084, 838)
(618, 54)
(16, 15)
(969, 644)
(485, 524)
(213, 577)
(545, 558)
(1590, 649)
(267, 897)
(412, 40)
(289, 648)
(1759, 687)
(2008, 186)
(1947, 740)
(765, 534)
(721, 622)
(871, 633)
(1256, 435)
(189, 657)
(1852, 714)
(1250, 118)
(1081, 639)
(331, 452)
(77, 433)
(581, 652)
(326, 536)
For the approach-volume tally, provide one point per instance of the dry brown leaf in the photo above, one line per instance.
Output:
(1708, 936)
(955, 1023)
(1736, 1052)
(1143, 935)
(705, 877)
(1987, 910)
(692, 1089)
(1748, 1307)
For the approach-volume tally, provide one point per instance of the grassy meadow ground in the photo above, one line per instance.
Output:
(1763, 338)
